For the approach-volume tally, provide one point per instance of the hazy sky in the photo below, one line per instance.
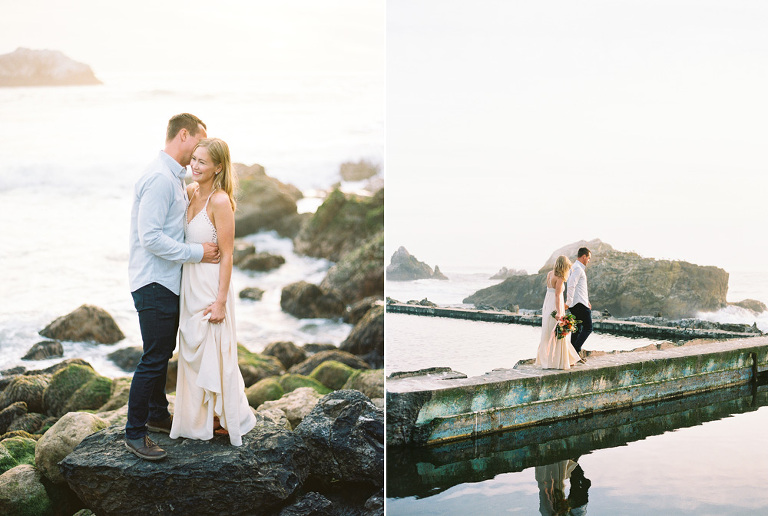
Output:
(514, 128)
(198, 36)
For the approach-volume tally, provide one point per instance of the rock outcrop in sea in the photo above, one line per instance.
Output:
(505, 273)
(404, 266)
(624, 283)
(27, 67)
(87, 323)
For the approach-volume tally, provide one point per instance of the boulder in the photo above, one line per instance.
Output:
(197, 477)
(306, 367)
(45, 349)
(15, 451)
(242, 249)
(403, 266)
(266, 389)
(55, 368)
(22, 493)
(752, 304)
(438, 275)
(296, 405)
(252, 293)
(307, 301)
(264, 203)
(11, 413)
(360, 273)
(261, 262)
(357, 311)
(26, 388)
(86, 324)
(118, 397)
(332, 374)
(127, 358)
(370, 383)
(76, 387)
(623, 283)
(276, 416)
(286, 352)
(311, 504)
(28, 67)
(345, 438)
(358, 171)
(313, 347)
(255, 367)
(31, 423)
(340, 225)
(291, 382)
(505, 273)
(61, 439)
(367, 338)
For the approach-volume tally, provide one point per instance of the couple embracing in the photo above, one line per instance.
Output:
(180, 266)
(563, 335)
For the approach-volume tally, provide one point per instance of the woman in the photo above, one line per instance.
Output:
(555, 353)
(210, 391)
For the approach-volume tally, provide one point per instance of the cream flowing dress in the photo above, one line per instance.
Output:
(554, 353)
(209, 381)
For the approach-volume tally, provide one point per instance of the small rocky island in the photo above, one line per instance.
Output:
(27, 67)
(406, 267)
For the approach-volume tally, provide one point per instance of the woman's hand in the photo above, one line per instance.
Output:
(217, 311)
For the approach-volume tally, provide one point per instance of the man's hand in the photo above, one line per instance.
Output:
(210, 253)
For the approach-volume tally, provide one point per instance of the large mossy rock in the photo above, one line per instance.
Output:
(367, 338)
(61, 439)
(623, 283)
(198, 477)
(370, 383)
(255, 366)
(306, 367)
(295, 405)
(291, 382)
(266, 389)
(332, 374)
(118, 397)
(15, 451)
(11, 413)
(26, 388)
(340, 225)
(403, 266)
(86, 324)
(22, 493)
(264, 203)
(31, 423)
(76, 387)
(288, 353)
(360, 273)
(345, 437)
(308, 301)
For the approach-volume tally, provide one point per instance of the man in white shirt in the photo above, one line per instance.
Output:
(577, 299)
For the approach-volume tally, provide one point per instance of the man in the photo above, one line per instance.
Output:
(157, 250)
(577, 300)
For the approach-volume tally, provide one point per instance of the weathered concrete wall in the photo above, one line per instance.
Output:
(440, 407)
(611, 326)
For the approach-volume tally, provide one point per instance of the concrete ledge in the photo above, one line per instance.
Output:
(432, 409)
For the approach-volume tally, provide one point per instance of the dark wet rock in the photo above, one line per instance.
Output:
(340, 225)
(505, 273)
(311, 504)
(367, 338)
(86, 324)
(45, 349)
(286, 352)
(308, 301)
(345, 437)
(265, 203)
(360, 273)
(404, 266)
(313, 347)
(306, 367)
(10, 413)
(76, 387)
(252, 293)
(197, 477)
(242, 250)
(28, 389)
(261, 262)
(254, 366)
(374, 506)
(127, 358)
(358, 310)
(623, 283)
(358, 171)
(28, 67)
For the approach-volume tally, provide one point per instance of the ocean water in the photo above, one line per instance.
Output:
(71, 155)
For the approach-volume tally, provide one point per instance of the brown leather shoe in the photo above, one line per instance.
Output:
(161, 426)
(145, 448)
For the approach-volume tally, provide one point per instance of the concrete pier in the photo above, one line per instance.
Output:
(443, 405)
(610, 326)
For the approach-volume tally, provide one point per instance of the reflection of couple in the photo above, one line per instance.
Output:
(551, 480)
(558, 350)
(173, 225)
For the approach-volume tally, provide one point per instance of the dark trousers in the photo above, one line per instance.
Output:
(583, 314)
(158, 310)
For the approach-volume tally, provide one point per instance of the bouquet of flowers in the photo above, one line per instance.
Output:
(565, 325)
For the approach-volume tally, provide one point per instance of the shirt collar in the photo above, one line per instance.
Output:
(173, 165)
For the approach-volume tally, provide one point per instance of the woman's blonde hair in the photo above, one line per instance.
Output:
(562, 266)
(224, 180)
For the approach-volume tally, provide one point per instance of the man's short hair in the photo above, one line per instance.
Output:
(583, 251)
(183, 121)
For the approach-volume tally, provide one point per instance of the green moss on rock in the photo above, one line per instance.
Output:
(332, 374)
(63, 385)
(91, 395)
(15, 451)
(254, 366)
(291, 382)
(266, 389)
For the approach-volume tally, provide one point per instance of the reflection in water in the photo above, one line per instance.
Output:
(551, 480)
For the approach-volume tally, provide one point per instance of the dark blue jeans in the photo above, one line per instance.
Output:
(583, 314)
(158, 310)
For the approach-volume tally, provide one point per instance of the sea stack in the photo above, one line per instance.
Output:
(27, 67)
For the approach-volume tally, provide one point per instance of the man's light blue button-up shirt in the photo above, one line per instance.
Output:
(157, 247)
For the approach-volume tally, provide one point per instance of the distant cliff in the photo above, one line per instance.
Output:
(624, 283)
(406, 267)
(26, 67)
